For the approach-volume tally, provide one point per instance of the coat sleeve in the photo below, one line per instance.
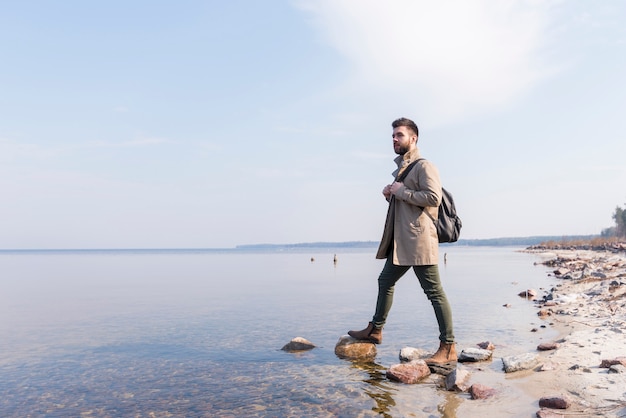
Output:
(422, 186)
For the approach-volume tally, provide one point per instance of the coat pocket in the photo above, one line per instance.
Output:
(416, 226)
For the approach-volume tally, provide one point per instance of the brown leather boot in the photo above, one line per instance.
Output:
(445, 354)
(370, 333)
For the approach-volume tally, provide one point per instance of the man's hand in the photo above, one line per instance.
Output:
(387, 192)
(393, 188)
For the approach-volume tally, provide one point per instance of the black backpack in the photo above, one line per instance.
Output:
(448, 222)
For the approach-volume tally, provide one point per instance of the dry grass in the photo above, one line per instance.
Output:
(594, 242)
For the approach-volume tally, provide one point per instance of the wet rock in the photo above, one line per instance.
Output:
(610, 362)
(529, 294)
(410, 353)
(544, 312)
(520, 362)
(353, 349)
(298, 344)
(408, 373)
(548, 413)
(547, 346)
(554, 402)
(487, 345)
(457, 380)
(547, 366)
(442, 369)
(617, 368)
(479, 391)
(474, 355)
(561, 271)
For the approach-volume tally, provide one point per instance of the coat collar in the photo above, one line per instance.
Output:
(406, 159)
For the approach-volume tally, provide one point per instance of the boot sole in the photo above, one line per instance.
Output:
(368, 339)
(447, 363)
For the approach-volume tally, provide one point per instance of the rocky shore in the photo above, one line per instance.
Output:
(588, 307)
(580, 373)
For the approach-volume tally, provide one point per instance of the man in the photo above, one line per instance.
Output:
(410, 240)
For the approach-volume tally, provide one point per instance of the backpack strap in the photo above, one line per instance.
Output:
(423, 208)
(405, 173)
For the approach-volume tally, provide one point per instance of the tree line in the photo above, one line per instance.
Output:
(619, 229)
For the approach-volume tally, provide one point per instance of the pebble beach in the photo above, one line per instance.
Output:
(587, 365)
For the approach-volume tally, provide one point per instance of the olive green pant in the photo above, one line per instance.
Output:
(428, 277)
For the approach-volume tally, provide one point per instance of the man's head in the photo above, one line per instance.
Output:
(405, 134)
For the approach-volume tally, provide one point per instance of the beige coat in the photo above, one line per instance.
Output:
(408, 227)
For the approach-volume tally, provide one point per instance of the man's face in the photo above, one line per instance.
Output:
(403, 139)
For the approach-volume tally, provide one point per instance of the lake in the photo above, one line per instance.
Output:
(195, 333)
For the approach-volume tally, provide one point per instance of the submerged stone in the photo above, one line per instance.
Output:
(480, 391)
(298, 344)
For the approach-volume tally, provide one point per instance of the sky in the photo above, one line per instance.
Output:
(211, 124)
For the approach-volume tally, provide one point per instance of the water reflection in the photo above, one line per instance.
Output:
(450, 404)
(382, 391)
(378, 386)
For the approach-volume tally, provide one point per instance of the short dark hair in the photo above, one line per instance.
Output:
(405, 122)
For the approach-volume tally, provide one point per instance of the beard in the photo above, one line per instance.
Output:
(401, 149)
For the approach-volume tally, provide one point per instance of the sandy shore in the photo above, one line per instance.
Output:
(588, 308)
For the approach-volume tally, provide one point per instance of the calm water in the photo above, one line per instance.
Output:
(192, 333)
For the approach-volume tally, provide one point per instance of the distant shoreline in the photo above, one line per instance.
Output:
(488, 242)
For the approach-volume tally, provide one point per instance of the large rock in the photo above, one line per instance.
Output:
(617, 368)
(353, 349)
(548, 346)
(410, 353)
(554, 402)
(409, 373)
(474, 354)
(606, 363)
(298, 344)
(457, 380)
(520, 362)
(478, 391)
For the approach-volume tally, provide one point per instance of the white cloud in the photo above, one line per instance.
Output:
(458, 57)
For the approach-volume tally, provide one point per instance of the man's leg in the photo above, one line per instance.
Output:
(386, 282)
(431, 284)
